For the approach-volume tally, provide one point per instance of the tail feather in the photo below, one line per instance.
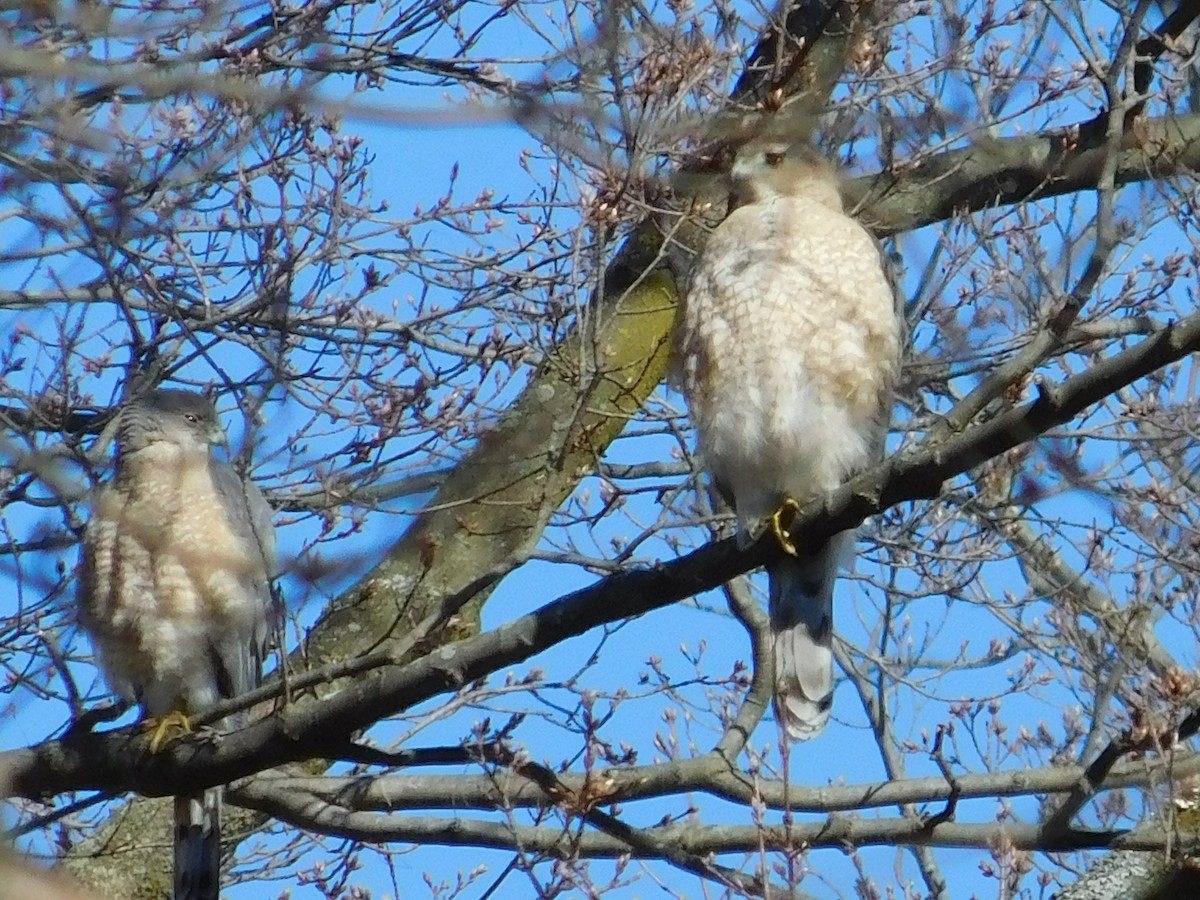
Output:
(801, 609)
(198, 846)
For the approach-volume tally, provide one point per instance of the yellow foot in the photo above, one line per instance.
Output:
(781, 520)
(166, 728)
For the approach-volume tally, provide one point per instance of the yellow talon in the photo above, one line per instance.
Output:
(174, 724)
(780, 520)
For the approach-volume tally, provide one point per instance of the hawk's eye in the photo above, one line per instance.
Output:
(774, 157)
(191, 417)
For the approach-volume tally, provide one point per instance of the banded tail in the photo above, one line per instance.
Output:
(198, 846)
(801, 610)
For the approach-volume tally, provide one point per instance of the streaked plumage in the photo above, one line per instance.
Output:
(175, 586)
(787, 350)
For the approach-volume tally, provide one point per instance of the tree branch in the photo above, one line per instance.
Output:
(118, 760)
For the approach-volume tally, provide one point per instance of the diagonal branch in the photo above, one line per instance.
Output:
(300, 731)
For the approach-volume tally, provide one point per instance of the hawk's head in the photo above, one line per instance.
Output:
(181, 418)
(765, 170)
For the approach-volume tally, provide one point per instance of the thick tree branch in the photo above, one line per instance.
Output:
(118, 761)
(999, 171)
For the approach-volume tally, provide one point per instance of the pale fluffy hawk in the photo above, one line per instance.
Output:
(175, 587)
(787, 350)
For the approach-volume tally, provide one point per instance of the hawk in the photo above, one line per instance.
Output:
(787, 349)
(175, 587)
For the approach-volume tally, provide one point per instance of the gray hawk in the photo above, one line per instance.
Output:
(175, 588)
(787, 349)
